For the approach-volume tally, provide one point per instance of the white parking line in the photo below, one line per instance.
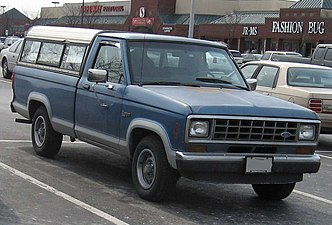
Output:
(97, 211)
(75, 201)
(318, 152)
(313, 197)
(325, 156)
(29, 141)
(7, 82)
(15, 141)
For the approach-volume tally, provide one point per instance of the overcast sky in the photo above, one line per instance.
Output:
(32, 7)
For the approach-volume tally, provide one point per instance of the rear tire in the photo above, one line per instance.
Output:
(45, 140)
(273, 191)
(153, 178)
(5, 71)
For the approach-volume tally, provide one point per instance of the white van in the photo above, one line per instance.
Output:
(273, 55)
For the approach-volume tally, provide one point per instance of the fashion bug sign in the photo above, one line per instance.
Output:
(291, 27)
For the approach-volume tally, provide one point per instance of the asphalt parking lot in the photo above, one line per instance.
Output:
(87, 185)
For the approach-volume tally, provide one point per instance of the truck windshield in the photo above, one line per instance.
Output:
(165, 62)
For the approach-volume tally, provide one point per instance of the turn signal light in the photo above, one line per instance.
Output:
(315, 105)
(197, 148)
(303, 150)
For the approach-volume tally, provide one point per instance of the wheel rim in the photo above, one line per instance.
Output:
(40, 131)
(5, 68)
(146, 168)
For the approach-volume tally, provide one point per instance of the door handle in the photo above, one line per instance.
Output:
(86, 86)
(104, 105)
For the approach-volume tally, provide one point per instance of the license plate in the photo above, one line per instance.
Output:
(258, 164)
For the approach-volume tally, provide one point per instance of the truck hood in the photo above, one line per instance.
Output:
(222, 101)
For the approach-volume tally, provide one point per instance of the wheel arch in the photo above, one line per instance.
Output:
(5, 71)
(140, 128)
(3, 59)
(36, 100)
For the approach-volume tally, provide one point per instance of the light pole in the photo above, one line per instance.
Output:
(3, 9)
(55, 3)
(191, 19)
(82, 13)
(5, 28)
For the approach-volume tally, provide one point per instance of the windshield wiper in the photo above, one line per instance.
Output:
(213, 80)
(219, 81)
(171, 83)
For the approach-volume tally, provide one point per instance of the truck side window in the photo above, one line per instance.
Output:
(109, 58)
(72, 57)
(328, 55)
(318, 54)
(30, 51)
(50, 54)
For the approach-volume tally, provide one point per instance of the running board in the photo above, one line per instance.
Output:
(18, 120)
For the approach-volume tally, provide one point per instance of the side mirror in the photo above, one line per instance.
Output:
(252, 84)
(98, 76)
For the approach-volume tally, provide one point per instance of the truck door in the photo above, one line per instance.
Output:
(318, 56)
(98, 105)
(328, 58)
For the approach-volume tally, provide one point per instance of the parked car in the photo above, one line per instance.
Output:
(251, 57)
(8, 58)
(9, 41)
(304, 84)
(273, 55)
(321, 56)
(2, 44)
(237, 56)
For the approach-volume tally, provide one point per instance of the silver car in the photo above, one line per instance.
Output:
(237, 56)
(304, 84)
(8, 58)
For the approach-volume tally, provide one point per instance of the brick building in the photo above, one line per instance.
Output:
(258, 25)
(13, 22)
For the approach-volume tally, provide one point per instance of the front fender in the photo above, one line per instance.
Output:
(157, 128)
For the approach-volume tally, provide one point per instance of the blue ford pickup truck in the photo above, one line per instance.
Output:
(175, 106)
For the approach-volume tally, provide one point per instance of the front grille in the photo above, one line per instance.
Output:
(254, 130)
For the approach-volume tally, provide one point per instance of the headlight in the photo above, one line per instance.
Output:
(307, 132)
(199, 129)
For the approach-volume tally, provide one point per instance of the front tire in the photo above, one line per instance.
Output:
(152, 176)
(273, 191)
(45, 140)
(5, 70)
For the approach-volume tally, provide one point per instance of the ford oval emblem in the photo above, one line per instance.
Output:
(285, 135)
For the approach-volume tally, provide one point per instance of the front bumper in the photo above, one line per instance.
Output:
(230, 168)
(12, 107)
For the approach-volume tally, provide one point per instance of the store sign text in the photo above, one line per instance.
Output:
(167, 29)
(249, 31)
(297, 27)
(144, 22)
(316, 28)
(99, 9)
(142, 12)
